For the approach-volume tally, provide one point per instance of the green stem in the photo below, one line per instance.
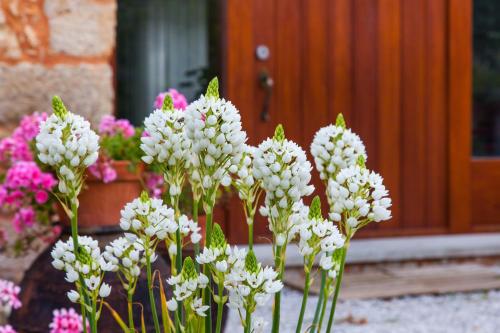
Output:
(323, 310)
(320, 301)
(207, 300)
(197, 245)
(93, 327)
(279, 264)
(220, 307)
(338, 284)
(131, 325)
(304, 299)
(250, 236)
(248, 321)
(151, 294)
(84, 317)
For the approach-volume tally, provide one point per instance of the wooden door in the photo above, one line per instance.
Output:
(399, 71)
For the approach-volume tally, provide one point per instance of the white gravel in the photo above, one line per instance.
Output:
(453, 313)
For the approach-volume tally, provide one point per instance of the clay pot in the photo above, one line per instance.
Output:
(100, 203)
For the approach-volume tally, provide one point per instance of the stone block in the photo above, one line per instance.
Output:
(86, 89)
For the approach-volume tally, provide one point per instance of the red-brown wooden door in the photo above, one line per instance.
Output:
(399, 71)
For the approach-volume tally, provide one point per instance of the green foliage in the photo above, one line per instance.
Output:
(251, 264)
(340, 122)
(315, 208)
(279, 133)
(168, 103)
(361, 161)
(58, 106)
(119, 148)
(218, 239)
(188, 270)
(213, 88)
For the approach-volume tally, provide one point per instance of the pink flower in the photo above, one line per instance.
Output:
(41, 197)
(103, 170)
(66, 321)
(154, 183)
(13, 150)
(29, 127)
(111, 126)
(7, 329)
(9, 295)
(24, 218)
(179, 99)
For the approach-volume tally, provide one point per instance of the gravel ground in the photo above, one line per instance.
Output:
(457, 313)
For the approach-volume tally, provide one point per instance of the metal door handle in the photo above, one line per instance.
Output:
(266, 83)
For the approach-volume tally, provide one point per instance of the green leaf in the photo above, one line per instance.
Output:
(213, 88)
(58, 106)
(279, 133)
(315, 208)
(251, 264)
(218, 239)
(188, 269)
(168, 103)
(340, 122)
(361, 161)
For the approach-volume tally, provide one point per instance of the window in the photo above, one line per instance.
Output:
(486, 78)
(164, 44)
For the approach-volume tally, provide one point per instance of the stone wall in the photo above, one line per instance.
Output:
(62, 47)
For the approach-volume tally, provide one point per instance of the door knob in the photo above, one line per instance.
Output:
(266, 82)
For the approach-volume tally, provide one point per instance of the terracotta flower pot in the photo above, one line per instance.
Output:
(100, 203)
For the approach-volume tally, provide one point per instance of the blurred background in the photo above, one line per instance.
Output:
(418, 80)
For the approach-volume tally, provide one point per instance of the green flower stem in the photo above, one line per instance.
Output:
(130, 296)
(220, 307)
(305, 295)
(84, 317)
(150, 291)
(207, 300)
(338, 284)
(93, 324)
(320, 301)
(250, 236)
(323, 310)
(279, 263)
(197, 245)
(248, 321)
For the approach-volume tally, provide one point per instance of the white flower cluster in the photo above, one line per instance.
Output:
(360, 196)
(213, 126)
(187, 289)
(167, 144)
(67, 143)
(87, 263)
(318, 236)
(241, 168)
(126, 258)
(335, 147)
(250, 285)
(285, 172)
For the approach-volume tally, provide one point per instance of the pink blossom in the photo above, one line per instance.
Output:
(24, 218)
(7, 329)
(14, 149)
(103, 170)
(111, 126)
(9, 295)
(29, 127)
(179, 99)
(41, 197)
(66, 321)
(154, 183)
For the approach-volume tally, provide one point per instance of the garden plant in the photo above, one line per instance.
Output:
(205, 146)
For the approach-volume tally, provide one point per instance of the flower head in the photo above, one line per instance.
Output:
(213, 127)
(285, 172)
(111, 126)
(179, 100)
(9, 296)
(66, 321)
(7, 329)
(127, 258)
(67, 144)
(335, 147)
(359, 196)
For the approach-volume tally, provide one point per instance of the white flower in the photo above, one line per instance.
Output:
(105, 290)
(126, 258)
(335, 147)
(198, 307)
(213, 128)
(73, 296)
(285, 173)
(172, 305)
(258, 325)
(67, 143)
(221, 266)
